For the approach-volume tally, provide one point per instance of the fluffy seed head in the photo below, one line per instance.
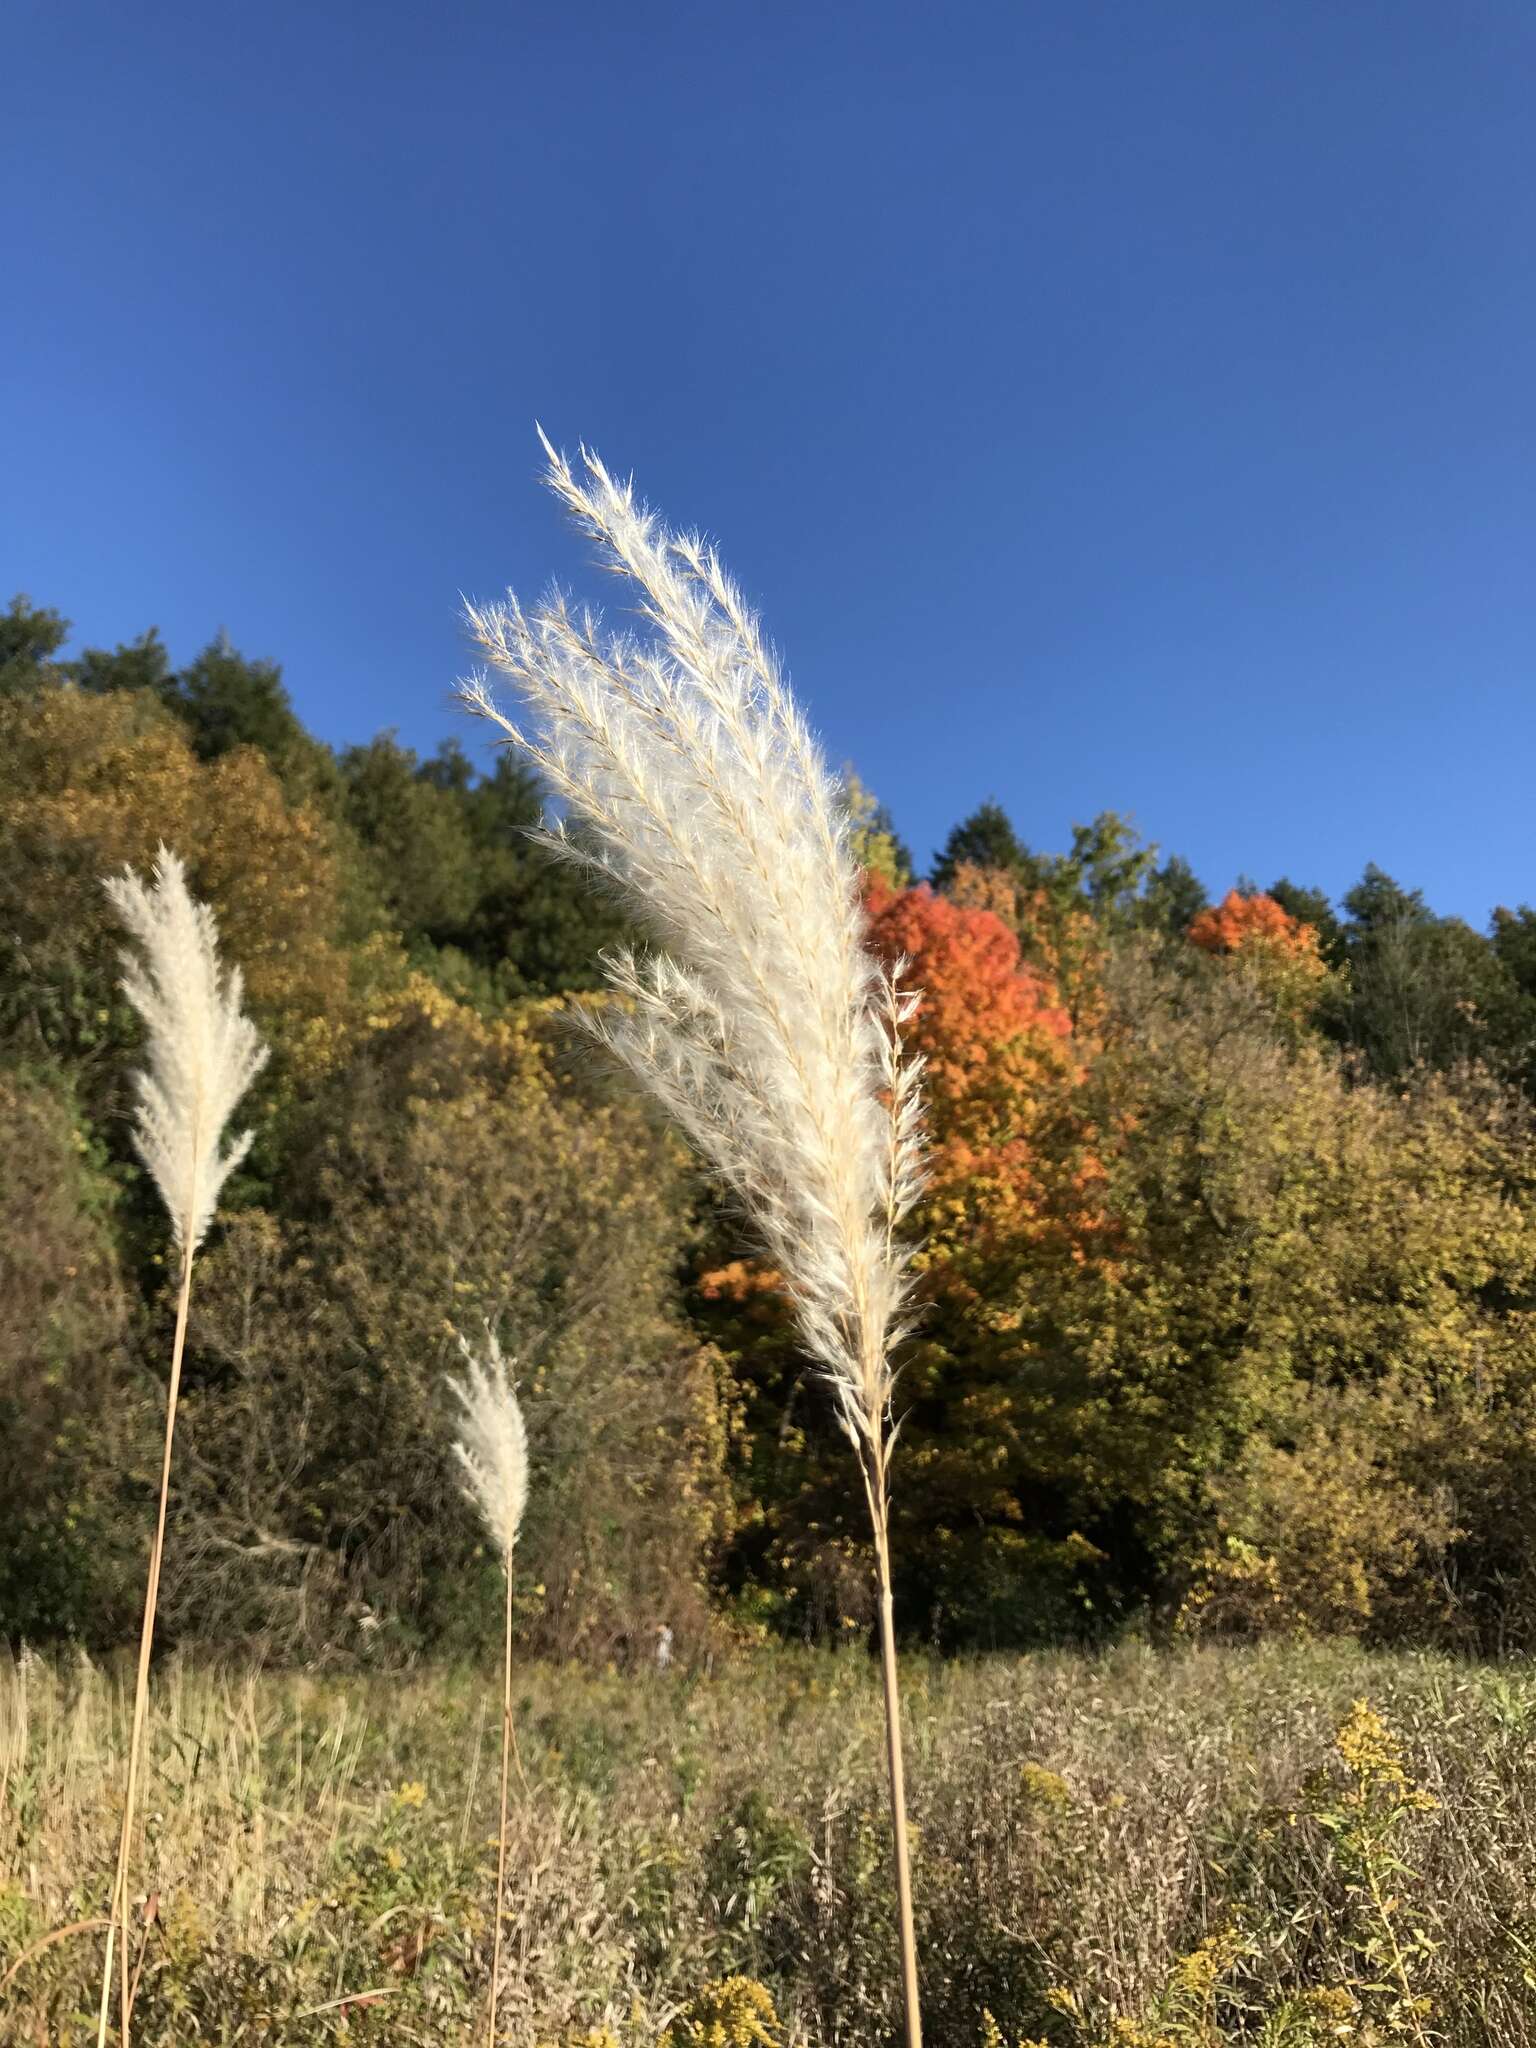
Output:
(491, 1446)
(761, 1023)
(202, 1050)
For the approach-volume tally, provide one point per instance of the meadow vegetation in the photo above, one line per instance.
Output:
(1208, 1263)
(1227, 1264)
(1138, 1849)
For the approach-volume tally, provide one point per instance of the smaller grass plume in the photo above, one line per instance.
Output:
(202, 1051)
(201, 1054)
(491, 1448)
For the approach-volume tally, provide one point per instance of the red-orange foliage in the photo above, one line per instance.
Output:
(979, 999)
(1262, 941)
(1001, 1065)
(1058, 940)
(1238, 921)
(996, 889)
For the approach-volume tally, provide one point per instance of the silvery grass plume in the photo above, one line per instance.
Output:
(491, 1446)
(761, 1023)
(492, 1451)
(202, 1054)
(203, 1051)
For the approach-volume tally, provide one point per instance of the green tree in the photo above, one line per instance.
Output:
(1174, 897)
(535, 926)
(1514, 941)
(986, 839)
(1107, 870)
(1310, 1305)
(416, 836)
(71, 1404)
(30, 637)
(1313, 907)
(1425, 990)
(141, 664)
(226, 701)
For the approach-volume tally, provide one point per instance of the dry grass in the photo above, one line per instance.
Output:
(1082, 1827)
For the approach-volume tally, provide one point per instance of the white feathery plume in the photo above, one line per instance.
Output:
(203, 1051)
(492, 1445)
(763, 1025)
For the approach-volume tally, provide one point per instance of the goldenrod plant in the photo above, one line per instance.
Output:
(202, 1053)
(761, 1022)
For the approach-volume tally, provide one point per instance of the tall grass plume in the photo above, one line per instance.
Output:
(761, 1022)
(201, 1054)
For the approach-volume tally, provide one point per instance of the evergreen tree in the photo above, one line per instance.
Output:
(1313, 907)
(538, 924)
(30, 636)
(417, 837)
(141, 664)
(986, 839)
(1174, 898)
(226, 701)
(1514, 941)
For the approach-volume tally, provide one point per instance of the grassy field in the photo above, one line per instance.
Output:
(1139, 1849)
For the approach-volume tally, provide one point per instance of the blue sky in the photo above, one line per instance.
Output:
(1109, 406)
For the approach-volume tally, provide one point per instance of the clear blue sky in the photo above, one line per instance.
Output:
(1109, 405)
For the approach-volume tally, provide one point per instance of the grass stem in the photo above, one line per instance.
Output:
(118, 1925)
(501, 1832)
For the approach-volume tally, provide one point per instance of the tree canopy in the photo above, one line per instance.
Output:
(1228, 1247)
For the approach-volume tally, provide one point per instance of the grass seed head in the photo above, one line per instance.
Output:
(203, 1052)
(491, 1446)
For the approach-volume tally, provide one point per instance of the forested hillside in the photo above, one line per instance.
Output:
(1230, 1245)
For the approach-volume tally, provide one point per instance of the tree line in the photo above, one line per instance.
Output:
(1230, 1255)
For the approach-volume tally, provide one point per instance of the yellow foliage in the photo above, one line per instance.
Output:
(732, 2012)
(88, 784)
(872, 845)
(1373, 1756)
(1044, 1787)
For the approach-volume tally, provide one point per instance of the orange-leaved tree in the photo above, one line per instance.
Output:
(1264, 942)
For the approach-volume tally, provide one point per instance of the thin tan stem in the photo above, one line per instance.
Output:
(501, 1837)
(874, 1486)
(119, 1910)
